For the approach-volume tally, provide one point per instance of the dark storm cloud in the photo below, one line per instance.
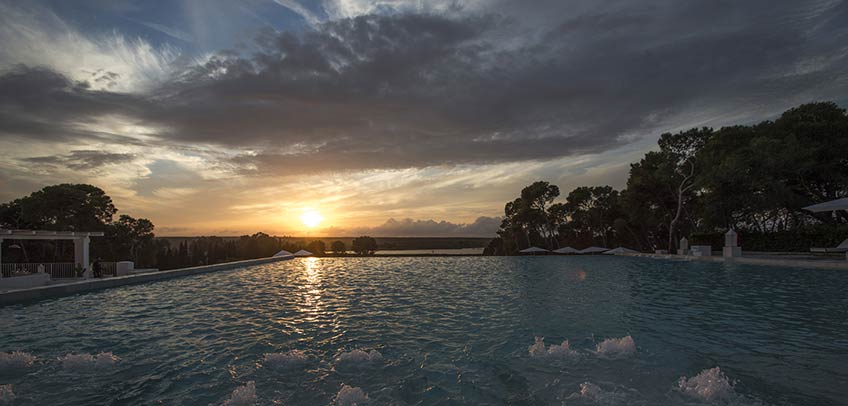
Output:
(496, 85)
(40, 104)
(83, 159)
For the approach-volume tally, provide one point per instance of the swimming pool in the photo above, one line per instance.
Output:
(406, 331)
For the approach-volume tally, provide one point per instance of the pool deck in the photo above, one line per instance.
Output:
(781, 259)
(10, 297)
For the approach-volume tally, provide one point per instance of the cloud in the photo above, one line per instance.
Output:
(35, 36)
(378, 109)
(394, 89)
(169, 31)
(481, 227)
(300, 10)
(168, 178)
(83, 159)
(42, 104)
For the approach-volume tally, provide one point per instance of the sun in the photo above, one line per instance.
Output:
(311, 218)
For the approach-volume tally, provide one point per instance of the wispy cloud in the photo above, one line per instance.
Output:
(169, 31)
(36, 36)
(83, 159)
(302, 11)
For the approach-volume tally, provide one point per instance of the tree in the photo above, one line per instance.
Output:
(528, 220)
(558, 215)
(338, 247)
(748, 177)
(128, 235)
(680, 151)
(495, 247)
(364, 245)
(593, 210)
(316, 247)
(661, 185)
(534, 206)
(759, 177)
(67, 207)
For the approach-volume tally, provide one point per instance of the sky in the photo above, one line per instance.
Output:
(387, 117)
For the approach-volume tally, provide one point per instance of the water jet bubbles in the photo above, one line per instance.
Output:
(589, 390)
(6, 395)
(350, 396)
(86, 362)
(709, 385)
(285, 360)
(616, 347)
(538, 349)
(360, 357)
(105, 360)
(608, 394)
(243, 395)
(15, 360)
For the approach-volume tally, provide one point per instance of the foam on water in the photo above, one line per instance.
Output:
(6, 395)
(84, 361)
(358, 356)
(221, 324)
(285, 360)
(616, 347)
(590, 391)
(15, 360)
(243, 395)
(350, 396)
(538, 349)
(709, 385)
(593, 393)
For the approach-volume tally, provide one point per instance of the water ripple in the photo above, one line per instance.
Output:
(447, 331)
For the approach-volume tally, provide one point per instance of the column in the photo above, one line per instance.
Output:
(78, 253)
(684, 247)
(81, 256)
(731, 245)
(85, 256)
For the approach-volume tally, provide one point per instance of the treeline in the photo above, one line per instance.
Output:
(701, 182)
(212, 250)
(80, 207)
(75, 207)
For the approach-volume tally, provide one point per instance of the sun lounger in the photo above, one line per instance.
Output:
(843, 247)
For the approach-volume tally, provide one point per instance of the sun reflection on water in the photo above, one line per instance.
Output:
(313, 305)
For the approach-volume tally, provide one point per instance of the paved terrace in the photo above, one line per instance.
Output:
(65, 289)
(782, 259)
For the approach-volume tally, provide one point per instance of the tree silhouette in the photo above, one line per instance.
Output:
(364, 245)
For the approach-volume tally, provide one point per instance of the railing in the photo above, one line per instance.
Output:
(109, 268)
(57, 270)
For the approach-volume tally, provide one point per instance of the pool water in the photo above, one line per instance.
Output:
(440, 331)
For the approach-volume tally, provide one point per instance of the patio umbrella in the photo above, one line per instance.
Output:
(533, 250)
(620, 250)
(566, 250)
(302, 253)
(593, 250)
(838, 204)
(283, 253)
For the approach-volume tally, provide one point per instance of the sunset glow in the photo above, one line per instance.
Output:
(379, 202)
(311, 218)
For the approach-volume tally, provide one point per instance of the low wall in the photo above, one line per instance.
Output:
(65, 289)
(779, 262)
(24, 281)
